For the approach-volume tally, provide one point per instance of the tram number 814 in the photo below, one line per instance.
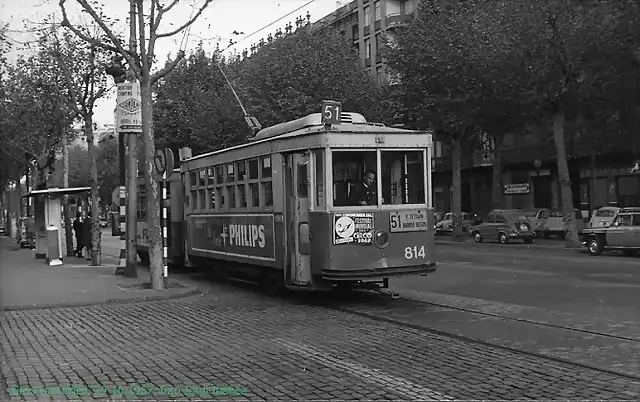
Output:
(414, 252)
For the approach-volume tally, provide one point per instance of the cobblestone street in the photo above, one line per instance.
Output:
(237, 344)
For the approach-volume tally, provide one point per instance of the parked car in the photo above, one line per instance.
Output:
(547, 222)
(445, 226)
(623, 234)
(504, 225)
(602, 217)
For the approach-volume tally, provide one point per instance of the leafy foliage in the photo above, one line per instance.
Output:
(284, 80)
(195, 107)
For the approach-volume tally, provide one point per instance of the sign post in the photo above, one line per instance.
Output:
(163, 161)
(129, 120)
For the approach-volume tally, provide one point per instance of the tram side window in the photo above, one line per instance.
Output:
(211, 195)
(231, 194)
(220, 195)
(202, 202)
(268, 193)
(253, 169)
(319, 178)
(266, 167)
(210, 176)
(201, 175)
(254, 188)
(193, 179)
(349, 168)
(403, 177)
(194, 199)
(302, 181)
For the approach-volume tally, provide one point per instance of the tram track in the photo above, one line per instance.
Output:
(465, 338)
(524, 320)
(350, 304)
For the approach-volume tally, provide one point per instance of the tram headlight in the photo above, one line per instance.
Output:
(381, 239)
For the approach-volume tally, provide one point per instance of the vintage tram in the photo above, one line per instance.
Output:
(280, 209)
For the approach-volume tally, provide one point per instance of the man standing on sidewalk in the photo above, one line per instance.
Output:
(77, 228)
(87, 228)
(31, 232)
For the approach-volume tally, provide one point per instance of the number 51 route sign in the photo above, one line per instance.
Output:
(129, 108)
(331, 111)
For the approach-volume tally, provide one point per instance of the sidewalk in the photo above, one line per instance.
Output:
(27, 283)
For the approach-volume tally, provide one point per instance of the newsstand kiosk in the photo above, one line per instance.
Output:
(48, 219)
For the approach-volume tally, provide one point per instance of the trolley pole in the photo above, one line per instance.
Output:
(131, 270)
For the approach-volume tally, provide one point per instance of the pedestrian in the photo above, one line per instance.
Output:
(77, 228)
(31, 232)
(87, 231)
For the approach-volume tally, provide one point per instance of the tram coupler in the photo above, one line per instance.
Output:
(380, 289)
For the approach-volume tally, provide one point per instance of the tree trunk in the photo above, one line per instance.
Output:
(68, 229)
(571, 238)
(497, 192)
(153, 205)
(456, 204)
(93, 180)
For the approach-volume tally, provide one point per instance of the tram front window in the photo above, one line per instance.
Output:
(403, 177)
(352, 174)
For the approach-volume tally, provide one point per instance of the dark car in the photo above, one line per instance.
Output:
(623, 234)
(504, 225)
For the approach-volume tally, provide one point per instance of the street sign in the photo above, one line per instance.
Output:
(129, 108)
(331, 111)
(164, 161)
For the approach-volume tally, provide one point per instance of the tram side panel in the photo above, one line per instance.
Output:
(363, 246)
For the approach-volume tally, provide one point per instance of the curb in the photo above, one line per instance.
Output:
(538, 246)
(190, 291)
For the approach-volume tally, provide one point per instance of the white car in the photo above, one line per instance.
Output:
(602, 217)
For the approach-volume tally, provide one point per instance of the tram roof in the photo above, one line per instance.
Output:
(312, 124)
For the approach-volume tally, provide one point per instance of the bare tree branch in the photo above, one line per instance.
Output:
(155, 35)
(161, 73)
(118, 47)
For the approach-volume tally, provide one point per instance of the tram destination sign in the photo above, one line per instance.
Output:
(234, 235)
(408, 221)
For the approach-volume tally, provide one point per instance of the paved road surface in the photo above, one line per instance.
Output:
(234, 340)
(544, 300)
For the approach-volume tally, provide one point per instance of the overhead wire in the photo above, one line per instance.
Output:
(272, 23)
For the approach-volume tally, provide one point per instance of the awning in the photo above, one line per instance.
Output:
(58, 191)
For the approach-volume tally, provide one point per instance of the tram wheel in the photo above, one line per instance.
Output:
(273, 282)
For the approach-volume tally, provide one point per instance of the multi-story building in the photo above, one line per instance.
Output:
(529, 174)
(365, 23)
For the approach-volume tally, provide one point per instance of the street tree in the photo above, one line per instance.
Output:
(578, 48)
(141, 62)
(81, 66)
(455, 63)
(194, 106)
(289, 77)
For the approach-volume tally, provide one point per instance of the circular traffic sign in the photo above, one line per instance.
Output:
(160, 161)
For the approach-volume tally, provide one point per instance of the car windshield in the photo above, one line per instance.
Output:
(605, 213)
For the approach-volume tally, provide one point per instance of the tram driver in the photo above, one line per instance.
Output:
(365, 191)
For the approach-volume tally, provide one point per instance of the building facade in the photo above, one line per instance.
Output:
(600, 176)
(365, 23)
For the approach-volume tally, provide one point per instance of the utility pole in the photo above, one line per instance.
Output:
(128, 163)
(131, 270)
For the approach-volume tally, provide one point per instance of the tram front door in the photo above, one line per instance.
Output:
(297, 219)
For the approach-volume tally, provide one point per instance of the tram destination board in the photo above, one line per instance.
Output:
(408, 221)
(234, 235)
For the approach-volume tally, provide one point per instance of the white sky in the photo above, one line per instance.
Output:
(219, 20)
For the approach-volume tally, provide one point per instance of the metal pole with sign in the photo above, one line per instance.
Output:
(164, 162)
(129, 120)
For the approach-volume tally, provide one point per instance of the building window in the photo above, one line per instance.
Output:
(367, 48)
(367, 16)
(408, 7)
(380, 76)
(379, 43)
(376, 6)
